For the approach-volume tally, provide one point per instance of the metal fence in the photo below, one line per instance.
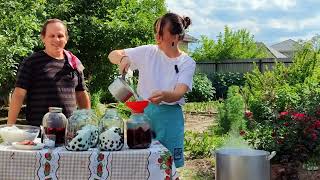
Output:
(241, 66)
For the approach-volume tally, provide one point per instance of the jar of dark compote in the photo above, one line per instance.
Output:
(55, 122)
(138, 128)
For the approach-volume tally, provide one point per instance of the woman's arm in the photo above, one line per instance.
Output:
(15, 104)
(169, 96)
(119, 57)
(115, 56)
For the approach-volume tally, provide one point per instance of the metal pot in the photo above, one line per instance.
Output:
(120, 89)
(242, 164)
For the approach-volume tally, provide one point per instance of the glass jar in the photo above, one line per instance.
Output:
(112, 131)
(138, 131)
(55, 122)
(82, 131)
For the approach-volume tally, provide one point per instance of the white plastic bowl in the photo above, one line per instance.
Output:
(17, 133)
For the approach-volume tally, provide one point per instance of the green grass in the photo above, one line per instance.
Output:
(198, 170)
(201, 107)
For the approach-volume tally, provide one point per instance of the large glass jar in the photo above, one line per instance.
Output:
(138, 131)
(112, 131)
(82, 130)
(55, 122)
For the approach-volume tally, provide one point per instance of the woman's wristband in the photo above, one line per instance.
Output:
(122, 58)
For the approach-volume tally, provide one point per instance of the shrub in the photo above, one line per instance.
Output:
(238, 44)
(200, 145)
(221, 82)
(285, 108)
(202, 89)
(231, 113)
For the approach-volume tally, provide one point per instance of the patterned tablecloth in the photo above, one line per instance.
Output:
(153, 163)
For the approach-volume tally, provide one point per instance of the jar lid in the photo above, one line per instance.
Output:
(55, 109)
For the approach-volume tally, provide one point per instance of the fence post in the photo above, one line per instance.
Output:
(216, 67)
(260, 65)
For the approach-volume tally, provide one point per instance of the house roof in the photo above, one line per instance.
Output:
(271, 53)
(286, 46)
(189, 38)
(276, 53)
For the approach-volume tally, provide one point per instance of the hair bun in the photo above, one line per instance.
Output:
(187, 22)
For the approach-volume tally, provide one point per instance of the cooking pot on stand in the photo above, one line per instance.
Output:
(120, 89)
(242, 164)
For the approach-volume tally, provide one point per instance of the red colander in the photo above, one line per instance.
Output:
(137, 106)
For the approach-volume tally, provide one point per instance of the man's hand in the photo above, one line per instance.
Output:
(83, 100)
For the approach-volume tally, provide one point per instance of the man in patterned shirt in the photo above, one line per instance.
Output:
(48, 79)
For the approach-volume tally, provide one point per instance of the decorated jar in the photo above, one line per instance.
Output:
(82, 131)
(55, 122)
(112, 131)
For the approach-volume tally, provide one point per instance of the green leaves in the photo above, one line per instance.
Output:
(202, 90)
(95, 28)
(231, 113)
(19, 35)
(229, 45)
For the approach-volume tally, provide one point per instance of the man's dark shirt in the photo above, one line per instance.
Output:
(49, 83)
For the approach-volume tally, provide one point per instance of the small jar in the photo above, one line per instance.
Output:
(55, 122)
(82, 130)
(112, 131)
(138, 131)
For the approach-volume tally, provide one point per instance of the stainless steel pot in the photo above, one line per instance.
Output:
(120, 89)
(242, 164)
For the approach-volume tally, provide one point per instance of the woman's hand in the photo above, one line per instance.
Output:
(124, 64)
(157, 96)
(168, 96)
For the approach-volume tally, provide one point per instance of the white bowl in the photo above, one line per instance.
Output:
(17, 133)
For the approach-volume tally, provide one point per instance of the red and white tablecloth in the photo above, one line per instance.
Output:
(154, 163)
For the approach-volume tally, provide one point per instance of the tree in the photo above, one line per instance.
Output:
(98, 27)
(95, 27)
(230, 45)
(19, 25)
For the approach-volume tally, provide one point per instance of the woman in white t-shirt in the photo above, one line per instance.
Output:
(165, 75)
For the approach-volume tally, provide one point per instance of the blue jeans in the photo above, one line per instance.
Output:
(167, 124)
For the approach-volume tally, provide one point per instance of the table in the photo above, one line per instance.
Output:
(153, 163)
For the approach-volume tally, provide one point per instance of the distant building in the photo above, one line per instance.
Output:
(287, 47)
(184, 44)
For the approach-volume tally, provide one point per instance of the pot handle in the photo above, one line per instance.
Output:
(123, 75)
(273, 153)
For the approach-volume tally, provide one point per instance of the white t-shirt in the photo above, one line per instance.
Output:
(158, 72)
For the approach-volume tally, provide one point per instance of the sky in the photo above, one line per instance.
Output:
(270, 21)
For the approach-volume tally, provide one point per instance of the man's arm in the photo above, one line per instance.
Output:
(15, 104)
(83, 100)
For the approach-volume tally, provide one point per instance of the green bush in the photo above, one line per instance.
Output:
(19, 24)
(202, 89)
(285, 108)
(221, 82)
(95, 28)
(231, 113)
(199, 145)
(238, 44)
(98, 27)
